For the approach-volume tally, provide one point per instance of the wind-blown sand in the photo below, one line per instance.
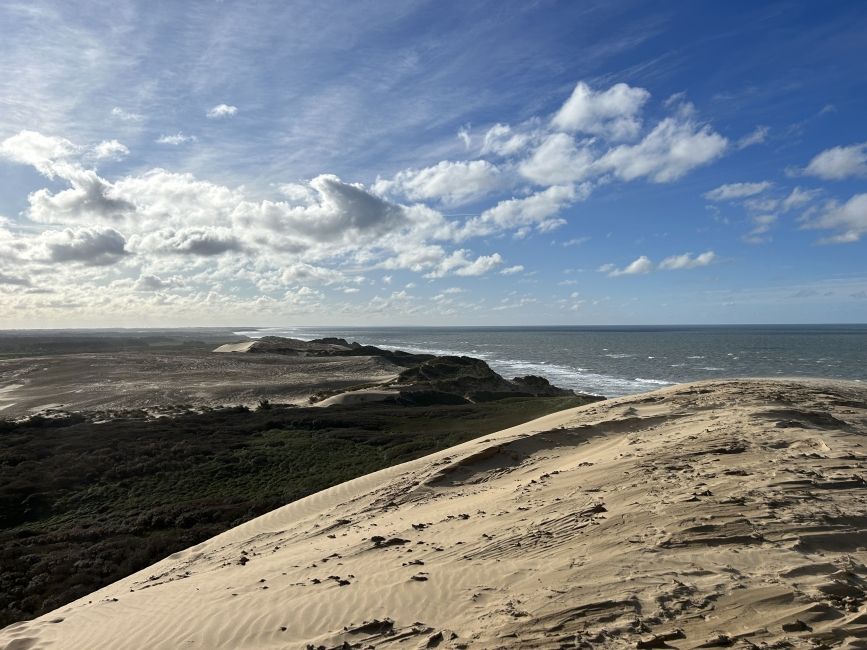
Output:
(154, 379)
(713, 514)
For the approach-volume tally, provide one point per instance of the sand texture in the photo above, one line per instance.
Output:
(716, 514)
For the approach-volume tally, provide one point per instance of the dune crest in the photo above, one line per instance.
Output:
(715, 514)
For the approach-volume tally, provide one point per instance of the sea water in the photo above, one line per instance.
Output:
(614, 361)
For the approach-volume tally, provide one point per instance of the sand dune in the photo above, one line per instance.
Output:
(158, 379)
(730, 513)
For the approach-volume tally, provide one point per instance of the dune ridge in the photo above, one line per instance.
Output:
(715, 514)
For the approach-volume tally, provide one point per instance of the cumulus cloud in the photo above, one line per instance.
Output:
(452, 183)
(337, 210)
(205, 242)
(736, 191)
(674, 147)
(176, 139)
(849, 219)
(110, 149)
(534, 210)
(613, 112)
(302, 273)
(150, 282)
(40, 151)
(458, 263)
(501, 140)
(511, 270)
(838, 163)
(88, 246)
(558, 160)
(687, 261)
(221, 110)
(88, 197)
(640, 266)
(644, 265)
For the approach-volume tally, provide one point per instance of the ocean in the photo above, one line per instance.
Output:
(613, 361)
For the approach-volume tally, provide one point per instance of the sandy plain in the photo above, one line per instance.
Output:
(162, 377)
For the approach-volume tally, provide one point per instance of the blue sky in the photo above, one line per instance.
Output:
(228, 163)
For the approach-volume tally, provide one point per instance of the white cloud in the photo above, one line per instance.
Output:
(222, 110)
(797, 198)
(736, 191)
(237, 254)
(533, 210)
(674, 147)
(176, 139)
(110, 149)
(89, 198)
(849, 219)
(150, 282)
(40, 151)
(304, 273)
(644, 265)
(459, 264)
(687, 261)
(558, 160)
(756, 137)
(501, 140)
(838, 163)
(452, 183)
(464, 136)
(640, 266)
(613, 112)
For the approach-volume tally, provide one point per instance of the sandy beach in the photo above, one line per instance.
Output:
(716, 514)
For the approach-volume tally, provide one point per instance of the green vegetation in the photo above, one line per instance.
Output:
(84, 503)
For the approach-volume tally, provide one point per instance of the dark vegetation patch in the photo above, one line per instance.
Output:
(83, 504)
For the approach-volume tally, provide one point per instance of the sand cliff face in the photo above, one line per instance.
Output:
(715, 514)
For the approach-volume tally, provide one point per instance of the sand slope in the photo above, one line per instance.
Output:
(709, 515)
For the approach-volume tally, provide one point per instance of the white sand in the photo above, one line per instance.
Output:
(710, 515)
(361, 396)
(5, 392)
(243, 346)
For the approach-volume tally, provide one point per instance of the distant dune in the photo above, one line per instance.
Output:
(727, 513)
(156, 379)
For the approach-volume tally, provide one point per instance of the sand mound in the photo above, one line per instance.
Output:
(709, 515)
